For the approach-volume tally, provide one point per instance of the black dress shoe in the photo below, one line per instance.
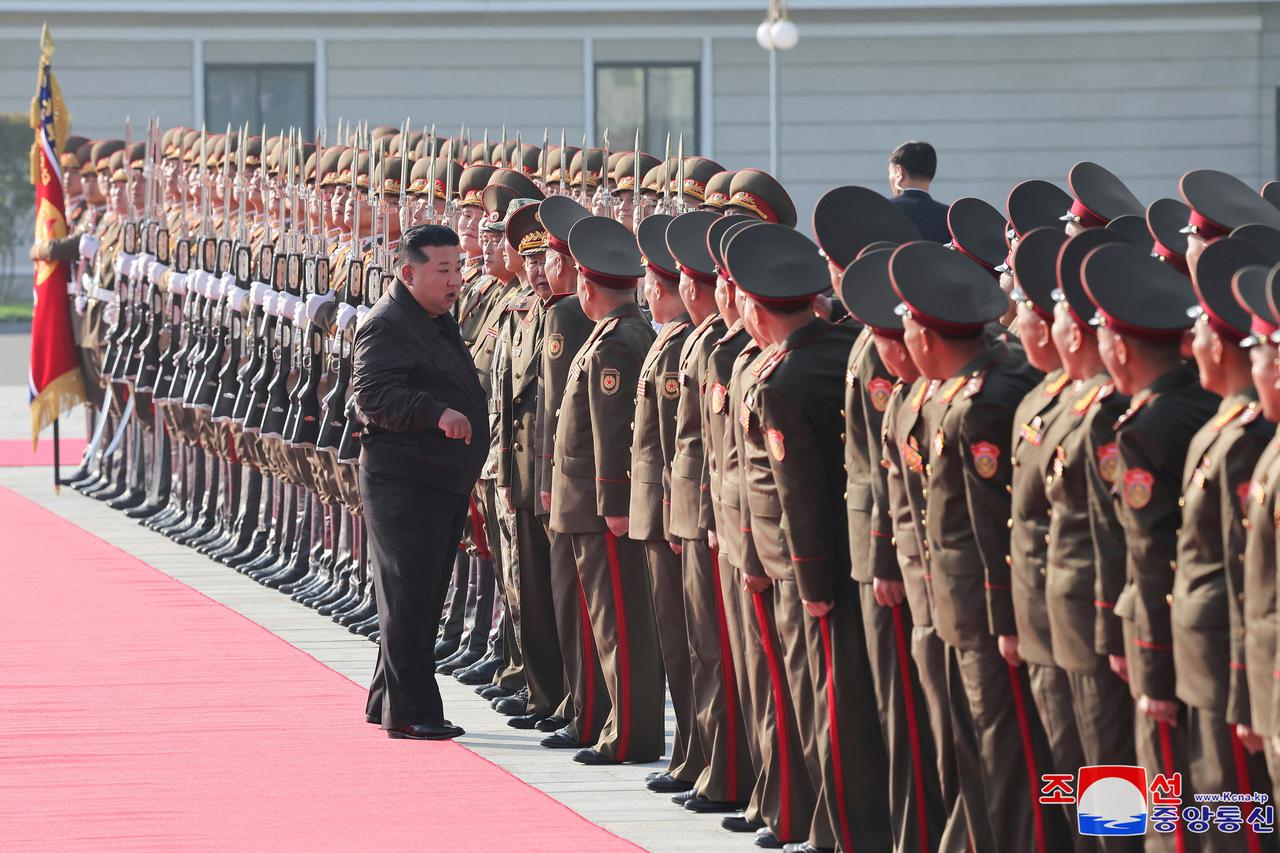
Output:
(480, 673)
(665, 783)
(457, 663)
(554, 723)
(739, 823)
(766, 839)
(515, 705)
(684, 796)
(427, 731)
(706, 805)
(560, 740)
(373, 719)
(525, 721)
(494, 691)
(594, 758)
(447, 647)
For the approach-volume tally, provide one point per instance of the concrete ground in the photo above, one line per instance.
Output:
(613, 797)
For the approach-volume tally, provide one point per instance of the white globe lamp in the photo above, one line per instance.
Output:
(764, 35)
(783, 34)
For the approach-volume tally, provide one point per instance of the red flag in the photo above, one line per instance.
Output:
(54, 381)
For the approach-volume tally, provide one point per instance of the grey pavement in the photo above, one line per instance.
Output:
(612, 797)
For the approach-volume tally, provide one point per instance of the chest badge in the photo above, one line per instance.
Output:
(718, 394)
(671, 386)
(986, 459)
(1242, 495)
(1108, 462)
(878, 390)
(1137, 487)
(911, 456)
(777, 445)
(939, 443)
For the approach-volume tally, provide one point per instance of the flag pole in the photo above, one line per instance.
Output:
(57, 457)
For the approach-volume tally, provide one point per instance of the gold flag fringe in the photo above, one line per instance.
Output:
(61, 395)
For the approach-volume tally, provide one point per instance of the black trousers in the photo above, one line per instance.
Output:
(413, 536)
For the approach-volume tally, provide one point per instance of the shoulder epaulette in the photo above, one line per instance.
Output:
(487, 283)
(924, 392)
(952, 388)
(765, 368)
(1080, 406)
(523, 303)
(470, 273)
(1227, 417)
(1055, 387)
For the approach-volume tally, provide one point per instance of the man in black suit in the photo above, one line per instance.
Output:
(417, 391)
(912, 166)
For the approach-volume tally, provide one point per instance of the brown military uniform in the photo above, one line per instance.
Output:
(1261, 521)
(1152, 438)
(591, 480)
(969, 422)
(565, 330)
(653, 446)
(1085, 573)
(905, 448)
(1207, 612)
(787, 794)
(792, 423)
(718, 422)
(517, 398)
(728, 775)
(1039, 422)
(915, 804)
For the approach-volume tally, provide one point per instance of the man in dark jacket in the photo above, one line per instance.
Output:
(912, 166)
(417, 391)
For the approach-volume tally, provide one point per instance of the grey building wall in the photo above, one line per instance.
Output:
(1005, 92)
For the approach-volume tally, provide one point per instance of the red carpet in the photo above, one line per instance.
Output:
(137, 714)
(16, 453)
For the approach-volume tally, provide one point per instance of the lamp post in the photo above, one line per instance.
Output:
(776, 32)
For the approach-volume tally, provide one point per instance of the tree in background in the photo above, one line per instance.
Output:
(15, 205)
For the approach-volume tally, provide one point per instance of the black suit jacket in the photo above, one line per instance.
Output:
(408, 368)
(929, 216)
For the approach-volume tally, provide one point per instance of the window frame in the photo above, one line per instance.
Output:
(690, 146)
(257, 68)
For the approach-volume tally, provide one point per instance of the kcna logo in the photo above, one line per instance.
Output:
(1110, 799)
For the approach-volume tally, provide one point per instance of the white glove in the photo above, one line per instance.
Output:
(82, 303)
(346, 316)
(236, 297)
(123, 262)
(155, 271)
(258, 292)
(299, 314)
(361, 312)
(89, 246)
(314, 302)
(178, 284)
(287, 305)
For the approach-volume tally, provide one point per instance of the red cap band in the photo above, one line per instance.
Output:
(1157, 335)
(666, 275)
(1088, 218)
(1261, 327)
(1207, 229)
(699, 277)
(892, 334)
(1178, 262)
(614, 281)
(559, 245)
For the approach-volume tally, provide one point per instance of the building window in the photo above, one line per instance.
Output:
(665, 94)
(278, 96)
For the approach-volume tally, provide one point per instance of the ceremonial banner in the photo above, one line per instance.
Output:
(54, 380)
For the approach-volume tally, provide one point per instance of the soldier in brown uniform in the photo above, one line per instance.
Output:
(792, 423)
(578, 721)
(1208, 587)
(518, 405)
(1039, 423)
(1098, 197)
(725, 782)
(1086, 543)
(1142, 317)
(948, 300)
(846, 220)
(930, 744)
(729, 353)
(590, 491)
(1258, 290)
(657, 395)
